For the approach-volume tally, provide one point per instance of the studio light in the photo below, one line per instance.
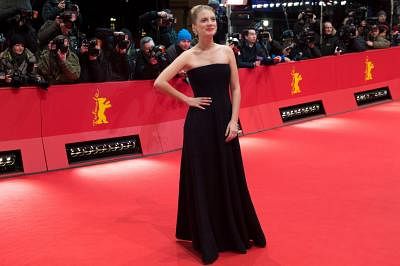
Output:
(105, 148)
(10, 162)
(373, 96)
(265, 22)
(302, 111)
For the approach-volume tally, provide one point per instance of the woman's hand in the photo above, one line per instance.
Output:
(231, 131)
(199, 102)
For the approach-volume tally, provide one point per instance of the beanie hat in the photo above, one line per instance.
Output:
(381, 13)
(17, 39)
(184, 35)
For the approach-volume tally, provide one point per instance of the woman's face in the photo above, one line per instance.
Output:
(18, 48)
(206, 23)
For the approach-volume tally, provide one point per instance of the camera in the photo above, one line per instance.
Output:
(347, 33)
(91, 45)
(168, 20)
(19, 79)
(58, 44)
(159, 53)
(120, 40)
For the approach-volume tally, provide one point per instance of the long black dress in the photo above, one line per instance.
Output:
(215, 210)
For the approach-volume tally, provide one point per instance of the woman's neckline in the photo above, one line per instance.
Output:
(202, 66)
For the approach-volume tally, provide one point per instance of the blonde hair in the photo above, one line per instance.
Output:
(194, 12)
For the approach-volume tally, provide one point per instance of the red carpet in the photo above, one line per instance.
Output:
(327, 192)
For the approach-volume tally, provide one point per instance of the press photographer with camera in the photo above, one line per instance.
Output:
(351, 40)
(307, 21)
(357, 15)
(58, 64)
(252, 53)
(151, 59)
(119, 57)
(53, 8)
(119, 51)
(94, 65)
(18, 65)
(64, 24)
(159, 26)
(307, 45)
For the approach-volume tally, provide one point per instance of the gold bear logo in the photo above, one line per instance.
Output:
(102, 104)
(369, 66)
(296, 78)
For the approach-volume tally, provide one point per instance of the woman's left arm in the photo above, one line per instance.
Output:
(233, 127)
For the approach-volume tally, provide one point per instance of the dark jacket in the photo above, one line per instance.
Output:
(357, 44)
(119, 66)
(55, 71)
(145, 70)
(50, 9)
(51, 29)
(305, 52)
(160, 35)
(94, 70)
(248, 55)
(329, 44)
(173, 52)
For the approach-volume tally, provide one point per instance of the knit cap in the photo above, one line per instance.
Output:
(184, 35)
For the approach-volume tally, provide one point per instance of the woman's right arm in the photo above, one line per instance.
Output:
(162, 84)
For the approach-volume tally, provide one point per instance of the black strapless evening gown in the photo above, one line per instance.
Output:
(215, 210)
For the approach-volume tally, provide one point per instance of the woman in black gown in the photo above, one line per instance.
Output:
(215, 210)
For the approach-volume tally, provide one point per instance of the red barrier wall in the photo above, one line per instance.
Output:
(21, 126)
(83, 112)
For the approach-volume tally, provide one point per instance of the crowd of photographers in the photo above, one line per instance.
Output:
(56, 51)
(255, 45)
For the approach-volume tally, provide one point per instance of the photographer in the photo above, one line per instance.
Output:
(306, 45)
(159, 26)
(130, 53)
(94, 65)
(183, 44)
(53, 8)
(151, 59)
(58, 64)
(17, 65)
(351, 40)
(378, 39)
(64, 24)
(252, 53)
(330, 41)
(357, 16)
(21, 23)
(307, 21)
(119, 57)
